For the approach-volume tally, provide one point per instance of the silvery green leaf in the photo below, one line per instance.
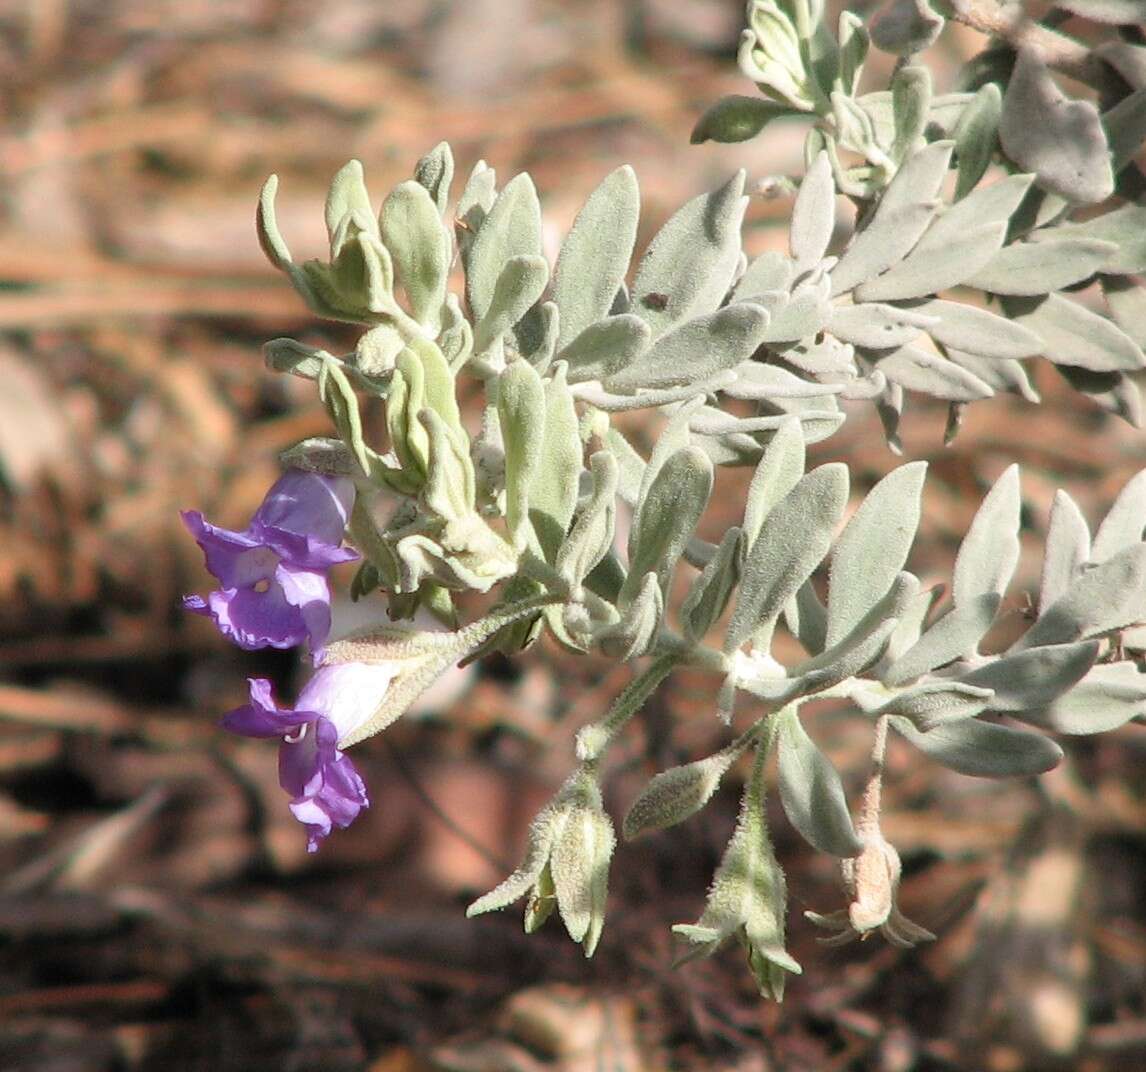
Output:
(769, 383)
(1031, 679)
(595, 395)
(553, 493)
(920, 370)
(820, 358)
(779, 470)
(674, 436)
(889, 406)
(270, 237)
(1109, 696)
(1108, 596)
(1000, 374)
(906, 208)
(993, 204)
(945, 112)
(1073, 335)
(873, 547)
(928, 270)
(976, 135)
(910, 103)
(512, 228)
(696, 350)
(983, 749)
(1059, 139)
(813, 215)
(792, 542)
(320, 454)
(542, 833)
(521, 413)
(419, 244)
(904, 27)
(1066, 550)
(1124, 227)
(1125, 126)
(678, 793)
(536, 335)
(1127, 303)
(876, 326)
(347, 197)
(605, 347)
(449, 490)
(735, 118)
(1115, 392)
(863, 646)
(811, 791)
(853, 41)
(635, 633)
(376, 354)
(990, 551)
(937, 703)
(854, 127)
(595, 254)
(690, 262)
(710, 592)
(771, 272)
(1033, 268)
(473, 206)
(456, 338)
(435, 171)
(955, 636)
(288, 355)
(977, 331)
(1124, 524)
(909, 628)
(520, 283)
(801, 316)
(666, 517)
(807, 618)
(591, 537)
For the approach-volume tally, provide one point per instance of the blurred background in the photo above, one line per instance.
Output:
(157, 907)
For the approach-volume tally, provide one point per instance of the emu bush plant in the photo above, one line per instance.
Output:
(998, 223)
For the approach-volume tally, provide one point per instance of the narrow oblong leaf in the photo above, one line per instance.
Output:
(873, 547)
(595, 255)
(998, 373)
(875, 326)
(1123, 227)
(1027, 269)
(976, 135)
(926, 271)
(520, 283)
(591, 537)
(1031, 679)
(1109, 596)
(910, 103)
(990, 551)
(811, 791)
(920, 370)
(937, 703)
(906, 208)
(512, 228)
(420, 246)
(1073, 335)
(983, 749)
(954, 636)
(1125, 522)
(521, 411)
(977, 331)
(553, 490)
(667, 516)
(813, 214)
(779, 470)
(690, 263)
(1066, 548)
(710, 592)
(771, 272)
(607, 346)
(735, 118)
(793, 540)
(696, 350)
(435, 171)
(1109, 696)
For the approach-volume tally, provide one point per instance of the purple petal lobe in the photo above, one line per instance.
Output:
(262, 717)
(348, 694)
(308, 504)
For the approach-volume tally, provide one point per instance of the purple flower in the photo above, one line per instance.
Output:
(273, 574)
(325, 788)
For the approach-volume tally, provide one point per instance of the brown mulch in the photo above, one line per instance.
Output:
(157, 907)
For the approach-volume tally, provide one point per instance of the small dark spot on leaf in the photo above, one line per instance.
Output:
(655, 301)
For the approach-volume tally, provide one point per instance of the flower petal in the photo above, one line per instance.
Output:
(254, 619)
(262, 717)
(309, 505)
(348, 694)
(237, 559)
